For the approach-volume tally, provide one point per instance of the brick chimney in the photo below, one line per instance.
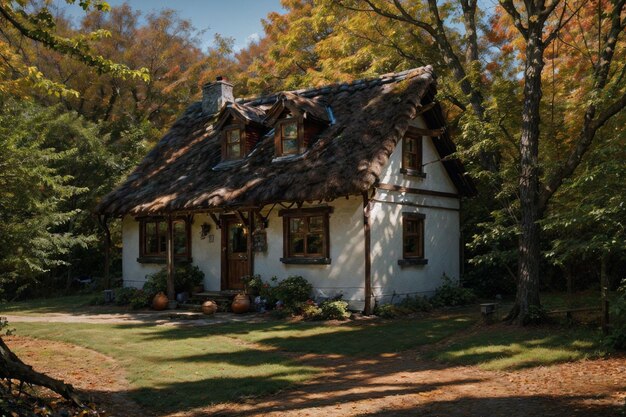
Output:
(215, 95)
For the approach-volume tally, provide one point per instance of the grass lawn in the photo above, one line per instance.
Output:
(504, 347)
(175, 368)
(70, 304)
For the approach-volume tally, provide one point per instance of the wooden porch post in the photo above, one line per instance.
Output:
(171, 294)
(368, 258)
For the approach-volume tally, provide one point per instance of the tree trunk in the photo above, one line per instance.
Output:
(529, 254)
(11, 367)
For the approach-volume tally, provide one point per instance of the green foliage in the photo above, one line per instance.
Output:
(293, 291)
(310, 311)
(407, 306)
(33, 194)
(4, 327)
(334, 310)
(185, 278)
(451, 294)
(617, 338)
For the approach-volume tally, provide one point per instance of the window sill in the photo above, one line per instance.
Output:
(412, 262)
(413, 172)
(306, 261)
(162, 260)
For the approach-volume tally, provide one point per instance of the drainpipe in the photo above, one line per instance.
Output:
(368, 258)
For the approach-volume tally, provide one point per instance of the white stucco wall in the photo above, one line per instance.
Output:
(134, 273)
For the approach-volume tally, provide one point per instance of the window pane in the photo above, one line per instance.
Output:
(315, 243)
(290, 146)
(296, 224)
(411, 226)
(162, 237)
(180, 238)
(234, 151)
(297, 245)
(152, 240)
(410, 145)
(410, 245)
(234, 136)
(237, 238)
(290, 131)
(316, 223)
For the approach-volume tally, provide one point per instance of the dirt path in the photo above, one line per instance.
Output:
(388, 385)
(405, 385)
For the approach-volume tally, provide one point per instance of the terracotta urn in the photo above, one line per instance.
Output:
(160, 301)
(209, 307)
(241, 304)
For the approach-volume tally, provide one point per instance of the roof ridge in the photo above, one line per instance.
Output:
(346, 86)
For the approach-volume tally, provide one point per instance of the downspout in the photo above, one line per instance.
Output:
(368, 258)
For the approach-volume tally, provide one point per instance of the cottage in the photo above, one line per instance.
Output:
(351, 186)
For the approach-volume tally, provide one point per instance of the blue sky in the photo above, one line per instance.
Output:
(240, 19)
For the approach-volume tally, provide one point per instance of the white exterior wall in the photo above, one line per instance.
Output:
(441, 228)
(345, 274)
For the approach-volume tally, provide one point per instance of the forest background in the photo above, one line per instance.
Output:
(534, 93)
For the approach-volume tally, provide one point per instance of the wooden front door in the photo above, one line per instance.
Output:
(236, 254)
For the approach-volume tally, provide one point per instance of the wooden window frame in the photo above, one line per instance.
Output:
(418, 257)
(322, 258)
(417, 171)
(160, 257)
(242, 143)
(278, 136)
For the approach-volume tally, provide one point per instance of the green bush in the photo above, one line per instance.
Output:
(451, 294)
(123, 295)
(415, 304)
(386, 311)
(334, 310)
(311, 312)
(293, 291)
(185, 278)
(617, 338)
(133, 297)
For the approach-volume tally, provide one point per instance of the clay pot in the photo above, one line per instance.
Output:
(160, 301)
(209, 307)
(241, 304)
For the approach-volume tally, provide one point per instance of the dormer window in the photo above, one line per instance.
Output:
(233, 144)
(289, 140)
(297, 121)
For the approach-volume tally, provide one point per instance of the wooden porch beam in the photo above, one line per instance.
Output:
(216, 220)
(242, 219)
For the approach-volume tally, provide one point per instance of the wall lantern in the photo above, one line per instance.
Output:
(205, 229)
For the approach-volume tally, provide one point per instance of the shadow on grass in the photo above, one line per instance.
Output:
(513, 348)
(354, 339)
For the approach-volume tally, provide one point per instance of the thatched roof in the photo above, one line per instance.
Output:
(368, 119)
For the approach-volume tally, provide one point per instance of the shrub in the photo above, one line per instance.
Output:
(123, 295)
(134, 297)
(415, 304)
(334, 310)
(293, 290)
(252, 284)
(185, 278)
(617, 338)
(386, 311)
(451, 294)
(311, 312)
